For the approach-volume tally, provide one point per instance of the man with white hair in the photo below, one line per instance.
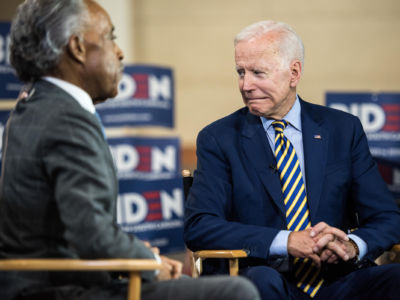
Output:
(283, 179)
(59, 187)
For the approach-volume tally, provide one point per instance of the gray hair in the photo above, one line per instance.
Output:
(40, 31)
(291, 46)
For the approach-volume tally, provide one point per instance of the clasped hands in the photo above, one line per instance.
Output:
(170, 268)
(321, 243)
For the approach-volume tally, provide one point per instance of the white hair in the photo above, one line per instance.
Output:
(290, 44)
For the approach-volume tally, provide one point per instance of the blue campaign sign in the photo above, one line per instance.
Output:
(9, 83)
(150, 203)
(146, 158)
(145, 98)
(153, 211)
(380, 116)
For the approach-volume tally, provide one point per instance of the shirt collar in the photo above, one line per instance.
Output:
(81, 96)
(293, 117)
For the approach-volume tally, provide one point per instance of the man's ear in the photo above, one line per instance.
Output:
(295, 72)
(76, 48)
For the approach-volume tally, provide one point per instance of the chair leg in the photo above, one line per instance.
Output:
(234, 267)
(134, 286)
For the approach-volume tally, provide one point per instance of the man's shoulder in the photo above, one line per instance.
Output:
(232, 121)
(327, 114)
(49, 100)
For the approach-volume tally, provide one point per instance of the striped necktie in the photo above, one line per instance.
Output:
(308, 276)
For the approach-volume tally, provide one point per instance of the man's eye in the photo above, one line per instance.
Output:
(240, 73)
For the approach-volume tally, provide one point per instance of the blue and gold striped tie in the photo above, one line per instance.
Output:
(308, 276)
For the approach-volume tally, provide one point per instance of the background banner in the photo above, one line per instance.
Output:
(380, 116)
(153, 211)
(145, 98)
(150, 203)
(9, 84)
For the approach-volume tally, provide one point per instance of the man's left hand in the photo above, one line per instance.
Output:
(332, 244)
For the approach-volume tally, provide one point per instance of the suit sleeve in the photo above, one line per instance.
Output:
(378, 214)
(209, 210)
(77, 161)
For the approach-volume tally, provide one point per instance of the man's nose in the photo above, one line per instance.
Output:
(119, 52)
(247, 83)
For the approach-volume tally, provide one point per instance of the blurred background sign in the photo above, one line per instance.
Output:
(9, 84)
(145, 98)
(150, 202)
(380, 116)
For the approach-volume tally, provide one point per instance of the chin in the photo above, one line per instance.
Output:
(255, 110)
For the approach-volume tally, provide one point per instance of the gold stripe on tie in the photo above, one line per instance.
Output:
(308, 276)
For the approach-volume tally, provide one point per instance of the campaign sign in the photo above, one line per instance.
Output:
(380, 116)
(146, 158)
(153, 211)
(9, 83)
(150, 202)
(145, 98)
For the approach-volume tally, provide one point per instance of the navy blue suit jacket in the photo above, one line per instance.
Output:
(236, 200)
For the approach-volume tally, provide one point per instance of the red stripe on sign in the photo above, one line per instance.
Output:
(142, 86)
(389, 127)
(151, 195)
(154, 216)
(143, 150)
(144, 158)
(143, 167)
(393, 118)
(155, 206)
(391, 107)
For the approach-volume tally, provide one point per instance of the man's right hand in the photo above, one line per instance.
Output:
(171, 269)
(301, 245)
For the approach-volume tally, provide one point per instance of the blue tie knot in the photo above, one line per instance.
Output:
(279, 126)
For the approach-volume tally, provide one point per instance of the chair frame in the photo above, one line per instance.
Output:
(132, 266)
(232, 255)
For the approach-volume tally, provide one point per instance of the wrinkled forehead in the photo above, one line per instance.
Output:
(258, 50)
(268, 42)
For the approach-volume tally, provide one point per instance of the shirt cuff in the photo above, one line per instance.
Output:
(279, 244)
(362, 245)
(158, 259)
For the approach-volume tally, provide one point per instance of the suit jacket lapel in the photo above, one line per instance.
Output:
(259, 154)
(315, 144)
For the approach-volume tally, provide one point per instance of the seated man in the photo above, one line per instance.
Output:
(283, 178)
(58, 188)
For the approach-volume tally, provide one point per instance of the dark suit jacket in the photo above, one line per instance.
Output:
(59, 190)
(236, 200)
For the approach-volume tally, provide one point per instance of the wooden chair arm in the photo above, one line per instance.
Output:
(396, 248)
(232, 255)
(220, 254)
(132, 266)
(394, 254)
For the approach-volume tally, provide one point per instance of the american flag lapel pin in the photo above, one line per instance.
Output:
(317, 136)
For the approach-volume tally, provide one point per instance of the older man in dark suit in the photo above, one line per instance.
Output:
(283, 179)
(58, 184)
